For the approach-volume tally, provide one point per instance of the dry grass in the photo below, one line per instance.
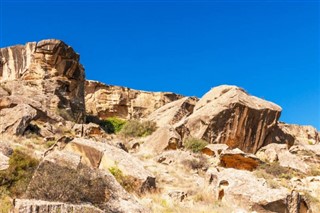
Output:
(201, 202)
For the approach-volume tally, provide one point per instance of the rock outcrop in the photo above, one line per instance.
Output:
(227, 114)
(304, 135)
(164, 138)
(214, 149)
(298, 157)
(15, 120)
(106, 101)
(243, 189)
(46, 75)
(173, 112)
(237, 159)
(105, 157)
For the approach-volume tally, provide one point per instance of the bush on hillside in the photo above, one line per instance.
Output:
(127, 182)
(134, 128)
(113, 124)
(195, 144)
(16, 178)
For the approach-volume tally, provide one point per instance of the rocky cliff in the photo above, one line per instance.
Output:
(45, 75)
(114, 101)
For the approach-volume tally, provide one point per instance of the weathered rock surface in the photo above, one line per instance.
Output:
(46, 75)
(227, 114)
(104, 156)
(243, 189)
(285, 157)
(237, 159)
(88, 130)
(173, 112)
(107, 101)
(39, 206)
(61, 177)
(306, 135)
(164, 138)
(214, 149)
(15, 120)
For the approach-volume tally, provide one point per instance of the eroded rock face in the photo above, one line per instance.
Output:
(104, 157)
(46, 75)
(298, 157)
(238, 160)
(214, 149)
(107, 101)
(305, 135)
(164, 138)
(15, 120)
(173, 112)
(227, 114)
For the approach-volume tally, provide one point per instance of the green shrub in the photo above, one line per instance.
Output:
(16, 178)
(134, 128)
(113, 124)
(194, 144)
(127, 182)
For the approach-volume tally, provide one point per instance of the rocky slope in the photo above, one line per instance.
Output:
(224, 152)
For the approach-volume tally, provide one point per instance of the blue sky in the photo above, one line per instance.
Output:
(270, 48)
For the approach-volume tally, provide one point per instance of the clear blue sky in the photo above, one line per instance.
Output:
(270, 48)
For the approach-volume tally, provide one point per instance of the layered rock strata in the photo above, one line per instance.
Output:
(106, 101)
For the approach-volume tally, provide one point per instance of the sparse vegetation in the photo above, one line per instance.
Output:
(127, 182)
(50, 143)
(314, 171)
(135, 128)
(60, 183)
(276, 175)
(113, 125)
(5, 204)
(199, 163)
(195, 144)
(15, 179)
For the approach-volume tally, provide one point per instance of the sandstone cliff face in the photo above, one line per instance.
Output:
(107, 101)
(47, 76)
(227, 114)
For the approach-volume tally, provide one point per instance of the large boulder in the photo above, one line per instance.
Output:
(242, 189)
(107, 157)
(164, 138)
(106, 101)
(229, 115)
(62, 177)
(47, 75)
(237, 159)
